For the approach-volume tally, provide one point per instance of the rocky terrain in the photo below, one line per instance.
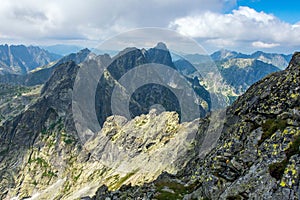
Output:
(16, 98)
(256, 157)
(154, 154)
(42, 156)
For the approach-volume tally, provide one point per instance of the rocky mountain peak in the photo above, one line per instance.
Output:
(161, 46)
(160, 54)
(78, 57)
(294, 64)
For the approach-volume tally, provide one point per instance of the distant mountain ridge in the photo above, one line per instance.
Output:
(40, 76)
(238, 70)
(62, 49)
(279, 60)
(19, 59)
(241, 73)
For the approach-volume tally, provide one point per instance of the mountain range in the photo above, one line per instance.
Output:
(33, 65)
(278, 60)
(249, 150)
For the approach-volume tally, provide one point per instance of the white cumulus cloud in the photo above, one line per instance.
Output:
(260, 44)
(243, 25)
(92, 19)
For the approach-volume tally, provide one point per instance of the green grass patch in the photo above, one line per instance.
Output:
(39, 161)
(68, 141)
(294, 148)
(49, 174)
(276, 170)
(123, 179)
(44, 132)
(4, 152)
(270, 127)
(178, 189)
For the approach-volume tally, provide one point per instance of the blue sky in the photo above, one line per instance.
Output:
(287, 10)
(245, 26)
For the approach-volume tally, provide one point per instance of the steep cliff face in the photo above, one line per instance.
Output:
(256, 157)
(149, 93)
(24, 137)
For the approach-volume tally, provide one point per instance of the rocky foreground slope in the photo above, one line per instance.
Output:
(256, 157)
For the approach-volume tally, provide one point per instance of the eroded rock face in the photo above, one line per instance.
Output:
(146, 145)
(256, 157)
(124, 152)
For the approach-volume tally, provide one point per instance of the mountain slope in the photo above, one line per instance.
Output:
(226, 55)
(21, 59)
(239, 73)
(15, 98)
(256, 157)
